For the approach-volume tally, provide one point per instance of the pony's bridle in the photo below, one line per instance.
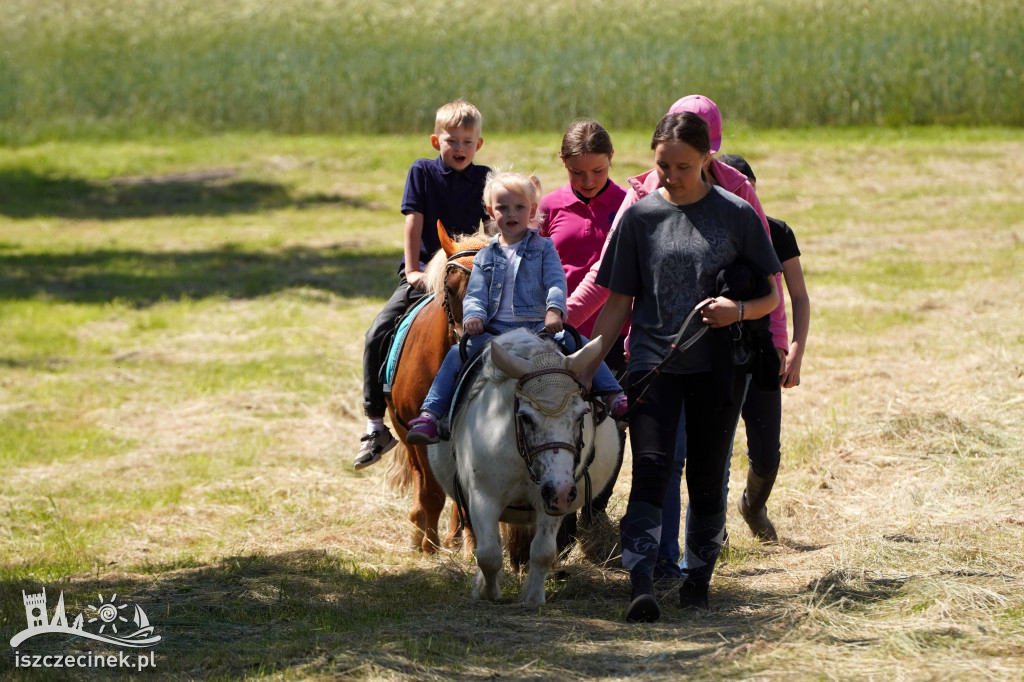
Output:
(527, 451)
(446, 303)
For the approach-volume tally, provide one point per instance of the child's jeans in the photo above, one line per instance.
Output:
(439, 398)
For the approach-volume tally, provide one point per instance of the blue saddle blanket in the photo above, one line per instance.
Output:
(395, 352)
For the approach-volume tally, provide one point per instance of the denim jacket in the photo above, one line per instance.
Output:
(540, 281)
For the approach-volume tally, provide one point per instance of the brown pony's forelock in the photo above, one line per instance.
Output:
(437, 268)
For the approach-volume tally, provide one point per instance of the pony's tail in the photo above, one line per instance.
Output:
(399, 473)
(517, 544)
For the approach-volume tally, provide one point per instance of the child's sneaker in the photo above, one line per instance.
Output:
(374, 445)
(617, 409)
(422, 431)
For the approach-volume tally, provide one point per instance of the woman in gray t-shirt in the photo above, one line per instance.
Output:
(662, 262)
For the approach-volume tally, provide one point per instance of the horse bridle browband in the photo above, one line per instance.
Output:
(528, 452)
(446, 304)
(461, 254)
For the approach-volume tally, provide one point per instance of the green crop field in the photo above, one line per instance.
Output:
(111, 67)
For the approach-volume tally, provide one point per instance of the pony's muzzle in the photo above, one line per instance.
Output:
(557, 499)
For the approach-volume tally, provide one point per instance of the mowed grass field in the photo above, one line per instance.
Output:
(181, 325)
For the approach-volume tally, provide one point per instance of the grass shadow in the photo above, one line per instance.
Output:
(316, 614)
(842, 587)
(239, 616)
(212, 192)
(143, 278)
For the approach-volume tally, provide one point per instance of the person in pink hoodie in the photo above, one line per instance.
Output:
(587, 298)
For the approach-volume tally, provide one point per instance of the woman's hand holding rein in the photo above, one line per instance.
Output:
(722, 312)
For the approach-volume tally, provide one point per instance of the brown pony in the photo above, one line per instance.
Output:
(435, 330)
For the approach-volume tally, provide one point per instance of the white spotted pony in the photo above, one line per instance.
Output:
(524, 449)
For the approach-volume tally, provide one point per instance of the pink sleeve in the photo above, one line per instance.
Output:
(588, 297)
(778, 326)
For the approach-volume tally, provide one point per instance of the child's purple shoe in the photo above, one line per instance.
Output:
(422, 431)
(617, 409)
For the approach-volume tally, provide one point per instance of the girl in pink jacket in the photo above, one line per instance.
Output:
(579, 215)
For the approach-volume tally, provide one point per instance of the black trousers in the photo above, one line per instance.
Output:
(762, 415)
(374, 352)
(709, 433)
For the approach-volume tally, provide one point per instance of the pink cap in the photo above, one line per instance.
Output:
(707, 110)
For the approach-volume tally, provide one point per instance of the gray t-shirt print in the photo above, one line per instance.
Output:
(667, 257)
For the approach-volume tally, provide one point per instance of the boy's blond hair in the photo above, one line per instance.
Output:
(456, 115)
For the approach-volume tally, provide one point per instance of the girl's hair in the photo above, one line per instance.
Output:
(685, 127)
(585, 137)
(528, 187)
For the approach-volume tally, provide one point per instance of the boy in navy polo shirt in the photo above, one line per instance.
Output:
(448, 188)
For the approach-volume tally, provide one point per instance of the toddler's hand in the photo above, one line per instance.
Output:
(553, 321)
(473, 326)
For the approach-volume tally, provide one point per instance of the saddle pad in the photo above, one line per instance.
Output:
(395, 351)
(467, 376)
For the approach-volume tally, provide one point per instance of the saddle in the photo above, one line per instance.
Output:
(467, 377)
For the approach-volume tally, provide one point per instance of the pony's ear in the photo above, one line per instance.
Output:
(512, 365)
(584, 356)
(446, 242)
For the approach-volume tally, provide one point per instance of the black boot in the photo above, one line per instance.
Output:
(640, 533)
(752, 506)
(693, 595)
(643, 605)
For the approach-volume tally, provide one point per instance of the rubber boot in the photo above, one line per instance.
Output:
(640, 532)
(704, 536)
(643, 605)
(752, 506)
(693, 595)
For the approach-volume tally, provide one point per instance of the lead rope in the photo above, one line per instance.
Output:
(675, 347)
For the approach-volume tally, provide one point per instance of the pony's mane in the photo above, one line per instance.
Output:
(435, 272)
